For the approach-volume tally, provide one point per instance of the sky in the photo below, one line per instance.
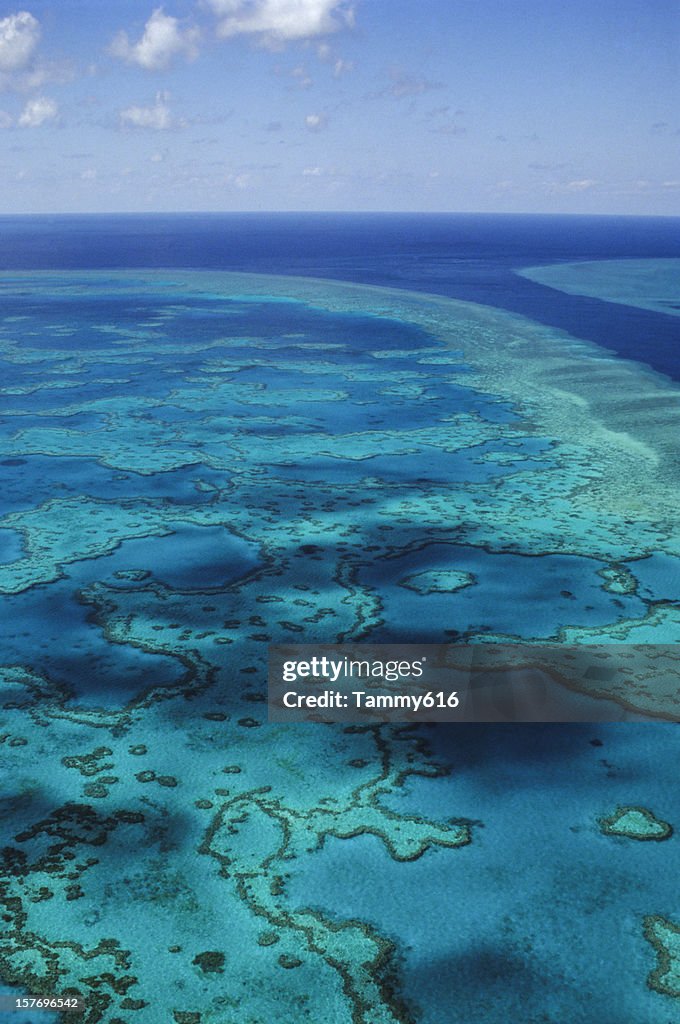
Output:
(404, 105)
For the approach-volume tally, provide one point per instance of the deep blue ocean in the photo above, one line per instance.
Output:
(463, 256)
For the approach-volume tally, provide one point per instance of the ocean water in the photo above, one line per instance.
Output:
(221, 432)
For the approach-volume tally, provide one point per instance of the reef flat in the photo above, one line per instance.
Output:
(197, 464)
(636, 823)
(648, 284)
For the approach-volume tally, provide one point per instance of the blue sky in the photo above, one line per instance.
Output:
(331, 105)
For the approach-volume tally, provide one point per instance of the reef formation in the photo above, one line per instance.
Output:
(198, 464)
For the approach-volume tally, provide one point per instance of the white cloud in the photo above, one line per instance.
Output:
(340, 66)
(21, 69)
(302, 78)
(37, 111)
(157, 117)
(161, 41)
(19, 35)
(5, 119)
(582, 185)
(315, 122)
(312, 172)
(278, 21)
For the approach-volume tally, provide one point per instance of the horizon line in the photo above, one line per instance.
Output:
(335, 213)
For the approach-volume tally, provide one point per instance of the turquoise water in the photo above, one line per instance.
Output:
(647, 284)
(196, 464)
(539, 917)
